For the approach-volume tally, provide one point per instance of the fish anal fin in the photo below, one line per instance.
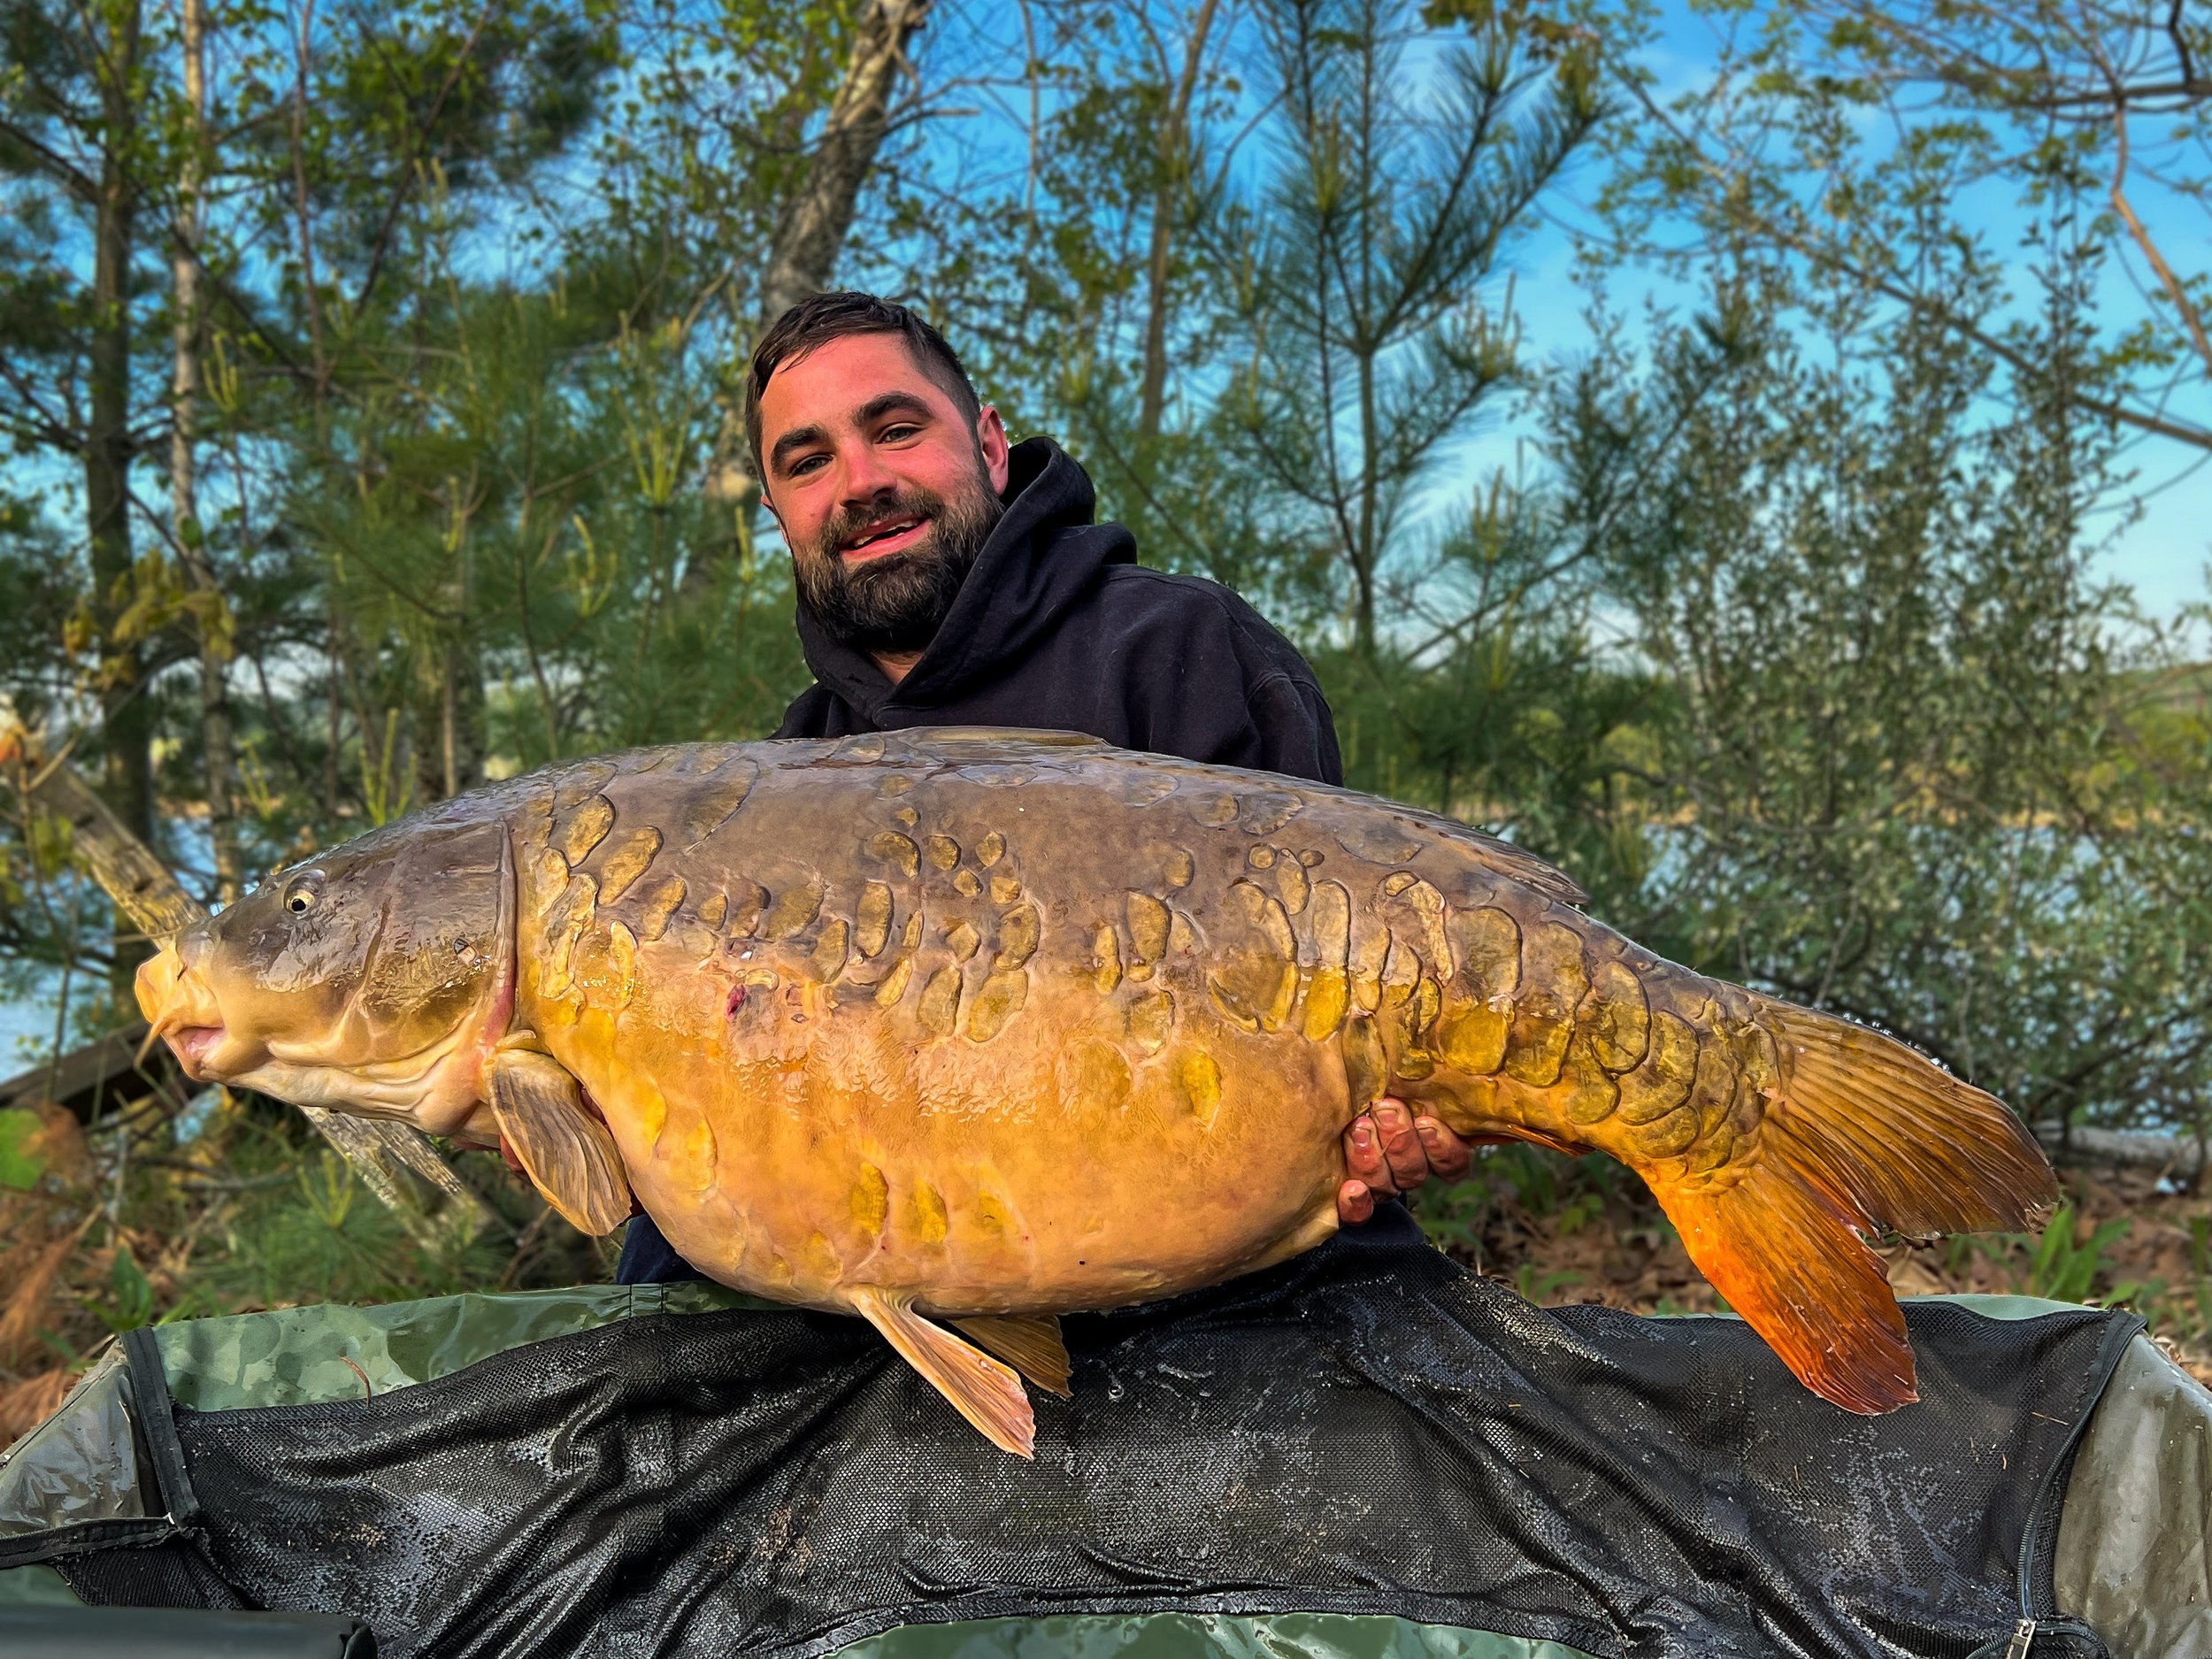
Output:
(1030, 1342)
(1800, 1276)
(982, 1390)
(565, 1151)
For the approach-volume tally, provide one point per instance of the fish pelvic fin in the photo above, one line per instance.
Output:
(1030, 1342)
(565, 1151)
(1864, 1136)
(982, 1390)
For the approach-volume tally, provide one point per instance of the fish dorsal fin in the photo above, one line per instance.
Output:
(1030, 1342)
(1011, 738)
(983, 1390)
(1522, 865)
(567, 1151)
(1502, 856)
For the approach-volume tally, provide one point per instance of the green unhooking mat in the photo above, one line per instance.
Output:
(1365, 1450)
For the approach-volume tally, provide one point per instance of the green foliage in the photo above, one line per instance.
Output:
(128, 1301)
(1563, 1196)
(1370, 342)
(238, 1205)
(20, 1165)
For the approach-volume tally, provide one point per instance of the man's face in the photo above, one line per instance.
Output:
(883, 490)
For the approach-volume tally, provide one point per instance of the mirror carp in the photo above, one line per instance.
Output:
(976, 1027)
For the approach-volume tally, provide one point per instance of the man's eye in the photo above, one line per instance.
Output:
(805, 465)
(904, 429)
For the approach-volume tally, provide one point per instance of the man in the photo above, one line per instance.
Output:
(947, 576)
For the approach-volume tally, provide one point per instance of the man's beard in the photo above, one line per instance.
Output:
(895, 601)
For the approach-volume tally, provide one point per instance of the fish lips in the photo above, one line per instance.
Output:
(195, 1046)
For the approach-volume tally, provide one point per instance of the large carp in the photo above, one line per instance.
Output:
(990, 1025)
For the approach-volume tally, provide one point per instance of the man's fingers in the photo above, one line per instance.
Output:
(1354, 1204)
(1450, 1156)
(1363, 1160)
(1401, 1147)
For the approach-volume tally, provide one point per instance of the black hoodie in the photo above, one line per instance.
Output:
(1057, 626)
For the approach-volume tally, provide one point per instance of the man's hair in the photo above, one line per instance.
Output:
(822, 318)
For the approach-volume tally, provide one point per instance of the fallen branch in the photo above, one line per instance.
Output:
(2175, 1155)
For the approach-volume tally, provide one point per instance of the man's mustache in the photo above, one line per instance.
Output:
(850, 521)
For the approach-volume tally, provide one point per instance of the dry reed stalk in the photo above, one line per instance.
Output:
(24, 1405)
(59, 1145)
(25, 1314)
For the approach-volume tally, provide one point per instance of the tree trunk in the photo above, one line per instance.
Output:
(1174, 162)
(815, 225)
(448, 734)
(814, 228)
(1367, 555)
(199, 564)
(127, 716)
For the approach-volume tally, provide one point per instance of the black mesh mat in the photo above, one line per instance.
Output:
(1366, 1429)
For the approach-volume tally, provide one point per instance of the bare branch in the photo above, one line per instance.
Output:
(2174, 291)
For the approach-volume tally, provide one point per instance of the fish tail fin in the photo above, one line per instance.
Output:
(1788, 1261)
(1863, 1136)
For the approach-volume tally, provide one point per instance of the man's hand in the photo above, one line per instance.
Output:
(1388, 1151)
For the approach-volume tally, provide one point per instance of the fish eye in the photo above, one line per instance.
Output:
(301, 891)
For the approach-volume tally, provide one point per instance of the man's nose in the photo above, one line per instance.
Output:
(864, 478)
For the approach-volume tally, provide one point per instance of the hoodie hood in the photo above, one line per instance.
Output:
(1039, 561)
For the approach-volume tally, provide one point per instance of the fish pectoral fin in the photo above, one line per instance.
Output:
(565, 1151)
(983, 1390)
(1030, 1342)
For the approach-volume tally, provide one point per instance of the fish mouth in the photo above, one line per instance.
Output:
(885, 535)
(180, 1010)
(192, 1045)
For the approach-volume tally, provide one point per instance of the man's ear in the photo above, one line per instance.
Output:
(990, 437)
(773, 513)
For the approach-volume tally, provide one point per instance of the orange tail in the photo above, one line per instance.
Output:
(1864, 1137)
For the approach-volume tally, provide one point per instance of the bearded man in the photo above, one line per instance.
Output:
(947, 576)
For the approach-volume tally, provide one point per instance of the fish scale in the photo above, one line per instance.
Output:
(985, 1026)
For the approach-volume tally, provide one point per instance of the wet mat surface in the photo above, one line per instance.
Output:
(1365, 1430)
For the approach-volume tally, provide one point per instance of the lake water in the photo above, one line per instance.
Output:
(26, 1029)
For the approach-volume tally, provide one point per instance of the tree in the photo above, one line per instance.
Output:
(187, 534)
(70, 144)
(1905, 758)
(1371, 343)
(817, 216)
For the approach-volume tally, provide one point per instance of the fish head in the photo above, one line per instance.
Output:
(375, 979)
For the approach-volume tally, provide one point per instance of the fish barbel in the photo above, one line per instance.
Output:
(984, 1027)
